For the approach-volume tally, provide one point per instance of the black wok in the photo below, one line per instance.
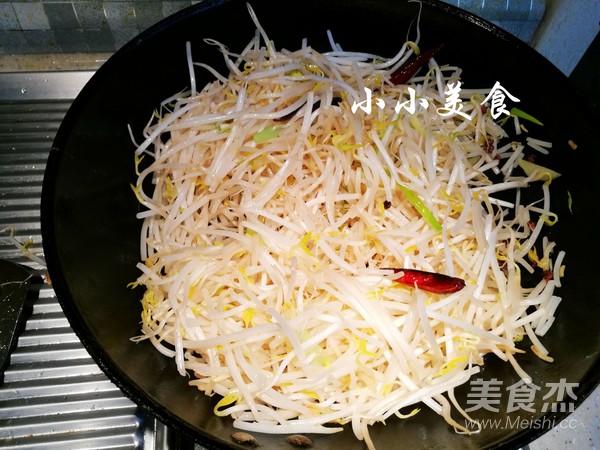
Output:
(91, 235)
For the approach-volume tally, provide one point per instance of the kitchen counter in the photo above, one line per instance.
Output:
(580, 430)
(52, 62)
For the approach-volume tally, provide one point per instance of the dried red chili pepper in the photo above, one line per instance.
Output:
(412, 66)
(488, 146)
(430, 281)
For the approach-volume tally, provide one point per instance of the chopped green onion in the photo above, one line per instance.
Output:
(570, 201)
(543, 172)
(523, 115)
(502, 121)
(266, 134)
(421, 207)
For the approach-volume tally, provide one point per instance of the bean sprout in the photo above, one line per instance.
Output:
(274, 211)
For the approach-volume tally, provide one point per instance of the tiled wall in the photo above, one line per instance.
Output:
(519, 17)
(77, 26)
(74, 26)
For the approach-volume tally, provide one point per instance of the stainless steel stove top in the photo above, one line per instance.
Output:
(53, 396)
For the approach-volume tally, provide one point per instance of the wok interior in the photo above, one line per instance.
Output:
(91, 235)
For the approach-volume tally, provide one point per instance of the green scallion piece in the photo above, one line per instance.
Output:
(420, 206)
(266, 134)
(523, 115)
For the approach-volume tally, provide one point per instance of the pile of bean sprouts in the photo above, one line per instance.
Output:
(273, 213)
